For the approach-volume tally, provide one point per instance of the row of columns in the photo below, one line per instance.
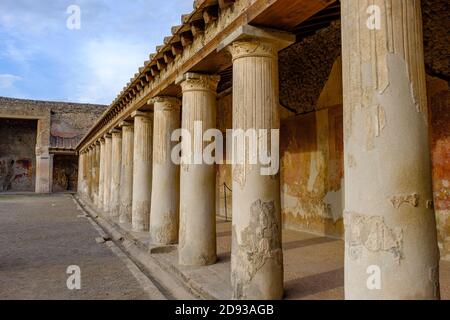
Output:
(389, 217)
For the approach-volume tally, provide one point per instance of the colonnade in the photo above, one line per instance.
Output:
(130, 175)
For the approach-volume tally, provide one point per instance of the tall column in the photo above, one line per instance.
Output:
(198, 181)
(80, 173)
(96, 173)
(116, 166)
(85, 174)
(257, 256)
(126, 172)
(390, 243)
(89, 174)
(107, 173)
(142, 171)
(164, 220)
(101, 178)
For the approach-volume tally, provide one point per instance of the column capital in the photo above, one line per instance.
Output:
(115, 132)
(126, 124)
(102, 140)
(165, 103)
(198, 82)
(107, 136)
(249, 41)
(141, 114)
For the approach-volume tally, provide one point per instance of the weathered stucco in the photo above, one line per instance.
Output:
(60, 126)
(17, 155)
(439, 102)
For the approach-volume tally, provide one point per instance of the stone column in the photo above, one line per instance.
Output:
(89, 174)
(390, 243)
(116, 166)
(107, 173)
(126, 172)
(80, 173)
(257, 256)
(198, 181)
(101, 178)
(96, 173)
(142, 171)
(164, 220)
(85, 173)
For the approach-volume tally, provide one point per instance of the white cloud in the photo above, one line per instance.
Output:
(104, 68)
(7, 81)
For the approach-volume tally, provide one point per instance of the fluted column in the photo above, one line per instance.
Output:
(80, 173)
(126, 172)
(257, 256)
(96, 173)
(390, 244)
(107, 173)
(101, 178)
(89, 173)
(164, 220)
(116, 166)
(85, 174)
(198, 181)
(142, 170)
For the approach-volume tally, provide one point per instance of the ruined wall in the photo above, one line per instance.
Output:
(439, 107)
(17, 155)
(60, 128)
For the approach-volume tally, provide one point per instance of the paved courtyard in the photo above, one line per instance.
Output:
(41, 236)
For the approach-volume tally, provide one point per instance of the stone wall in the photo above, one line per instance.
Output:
(60, 126)
(17, 155)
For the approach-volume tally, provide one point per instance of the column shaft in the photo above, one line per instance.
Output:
(116, 166)
(142, 171)
(164, 220)
(101, 178)
(126, 173)
(108, 173)
(80, 173)
(257, 256)
(390, 243)
(198, 181)
(96, 173)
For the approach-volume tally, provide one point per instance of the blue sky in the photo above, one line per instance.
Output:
(40, 58)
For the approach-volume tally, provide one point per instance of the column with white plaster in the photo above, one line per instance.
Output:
(142, 170)
(257, 256)
(164, 220)
(390, 243)
(126, 172)
(197, 245)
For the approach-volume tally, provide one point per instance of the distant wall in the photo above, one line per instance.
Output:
(17, 155)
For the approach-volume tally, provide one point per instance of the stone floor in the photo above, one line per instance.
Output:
(314, 265)
(41, 236)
